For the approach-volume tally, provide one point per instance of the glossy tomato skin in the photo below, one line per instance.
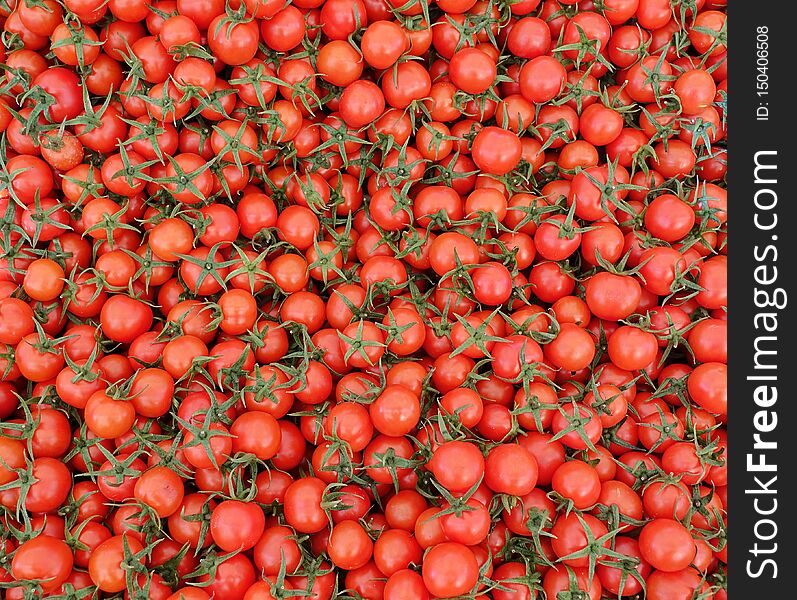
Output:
(457, 465)
(678, 584)
(125, 329)
(44, 558)
(450, 569)
(558, 580)
(303, 505)
(63, 85)
(105, 563)
(161, 489)
(671, 551)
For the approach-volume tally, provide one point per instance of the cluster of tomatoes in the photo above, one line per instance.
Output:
(366, 299)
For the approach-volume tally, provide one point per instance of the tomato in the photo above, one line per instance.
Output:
(233, 43)
(578, 482)
(563, 579)
(41, 20)
(340, 19)
(361, 103)
(62, 153)
(161, 489)
(395, 550)
(105, 564)
(16, 320)
(672, 549)
(511, 469)
(383, 43)
(31, 176)
(510, 576)
(275, 546)
(339, 63)
(349, 546)
(457, 465)
(407, 83)
(542, 79)
(351, 422)
(396, 411)
(63, 86)
(600, 125)
(468, 527)
(405, 584)
(579, 415)
(677, 585)
(38, 359)
(707, 386)
(529, 37)
(612, 297)
(465, 404)
(108, 417)
(708, 340)
(713, 280)
(450, 569)
(472, 70)
(303, 509)
(570, 536)
(572, 349)
(367, 581)
(236, 525)
(233, 577)
(612, 578)
(43, 558)
(631, 348)
(184, 530)
(362, 344)
(256, 433)
(496, 151)
(284, 30)
(659, 268)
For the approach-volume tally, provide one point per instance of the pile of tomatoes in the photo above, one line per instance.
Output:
(365, 299)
